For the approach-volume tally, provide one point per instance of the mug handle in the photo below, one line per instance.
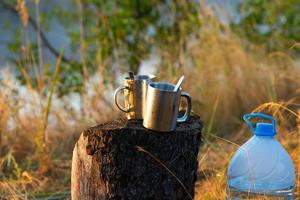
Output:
(126, 110)
(188, 109)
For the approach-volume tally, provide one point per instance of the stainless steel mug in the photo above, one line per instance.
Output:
(134, 95)
(162, 106)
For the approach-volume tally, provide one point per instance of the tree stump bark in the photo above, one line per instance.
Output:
(123, 160)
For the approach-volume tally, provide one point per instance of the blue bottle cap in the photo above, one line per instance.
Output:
(264, 129)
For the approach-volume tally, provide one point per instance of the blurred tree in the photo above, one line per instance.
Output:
(273, 23)
(114, 33)
(126, 31)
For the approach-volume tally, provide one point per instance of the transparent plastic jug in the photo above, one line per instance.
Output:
(261, 168)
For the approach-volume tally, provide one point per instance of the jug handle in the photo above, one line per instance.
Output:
(247, 117)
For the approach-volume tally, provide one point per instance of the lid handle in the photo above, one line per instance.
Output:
(247, 117)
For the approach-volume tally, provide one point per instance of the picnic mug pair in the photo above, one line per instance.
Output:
(155, 102)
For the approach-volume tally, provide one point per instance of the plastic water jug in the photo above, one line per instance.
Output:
(261, 168)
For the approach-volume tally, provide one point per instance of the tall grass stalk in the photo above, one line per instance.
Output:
(41, 135)
(211, 119)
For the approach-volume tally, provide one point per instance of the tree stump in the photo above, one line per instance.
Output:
(123, 160)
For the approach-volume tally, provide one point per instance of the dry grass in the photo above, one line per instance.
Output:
(227, 81)
(224, 79)
(27, 166)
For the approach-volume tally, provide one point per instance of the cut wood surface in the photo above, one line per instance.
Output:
(123, 160)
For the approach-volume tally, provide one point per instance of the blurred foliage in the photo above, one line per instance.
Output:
(124, 32)
(113, 33)
(117, 35)
(273, 23)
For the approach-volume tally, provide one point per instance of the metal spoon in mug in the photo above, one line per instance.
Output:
(179, 82)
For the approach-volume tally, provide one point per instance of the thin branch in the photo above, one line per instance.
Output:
(46, 42)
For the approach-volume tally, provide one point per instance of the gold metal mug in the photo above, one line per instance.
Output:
(162, 102)
(135, 95)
